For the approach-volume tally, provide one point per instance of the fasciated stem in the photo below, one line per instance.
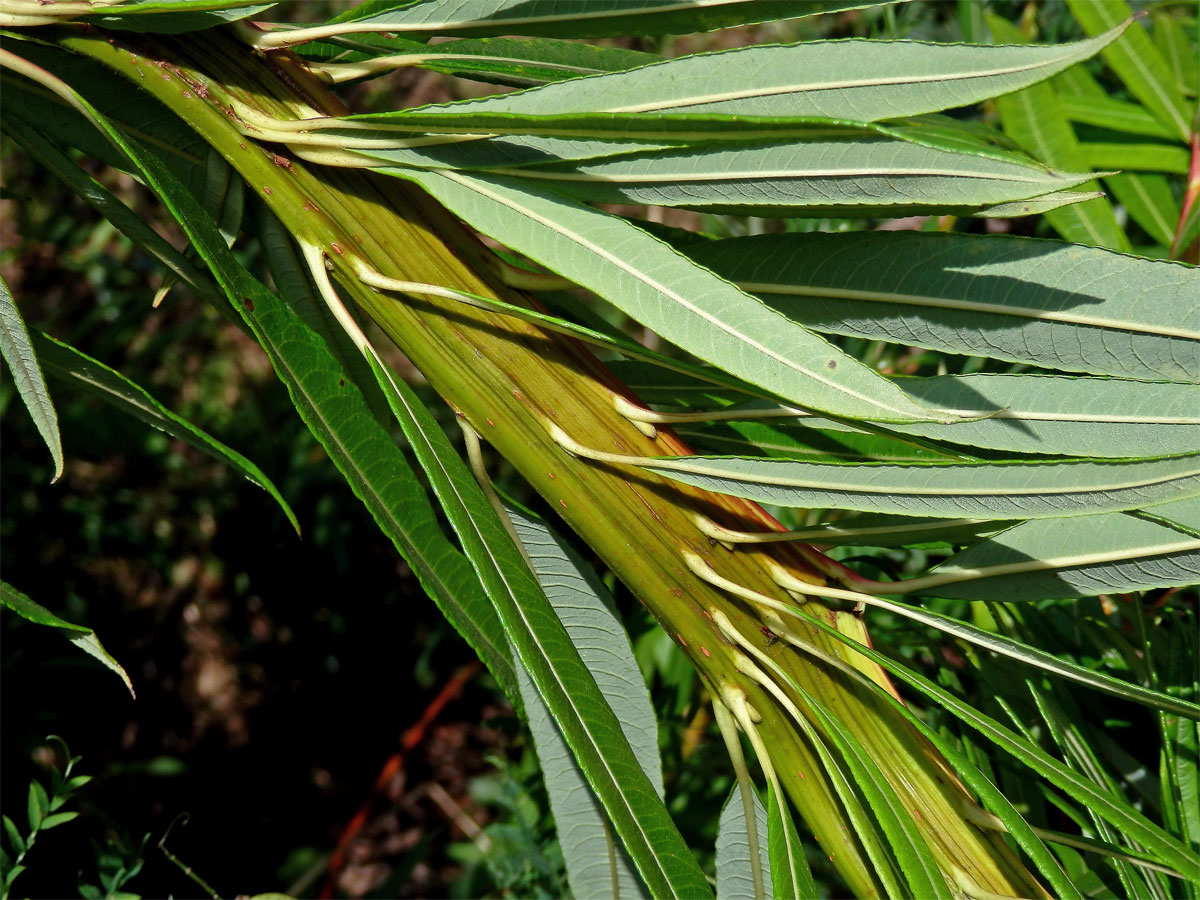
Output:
(508, 377)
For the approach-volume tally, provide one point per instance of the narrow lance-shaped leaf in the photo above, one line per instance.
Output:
(82, 637)
(1082, 556)
(910, 847)
(508, 61)
(544, 648)
(1062, 415)
(1178, 51)
(790, 873)
(684, 303)
(1163, 847)
(597, 866)
(17, 351)
(1105, 112)
(332, 407)
(953, 490)
(862, 80)
(1039, 302)
(1150, 202)
(596, 18)
(734, 879)
(175, 16)
(75, 367)
(1134, 57)
(837, 177)
(1031, 117)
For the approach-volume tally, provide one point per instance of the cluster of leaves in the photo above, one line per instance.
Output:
(1076, 479)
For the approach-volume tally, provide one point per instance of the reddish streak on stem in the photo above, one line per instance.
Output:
(1189, 195)
(393, 767)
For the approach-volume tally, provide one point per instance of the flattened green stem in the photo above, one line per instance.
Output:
(507, 377)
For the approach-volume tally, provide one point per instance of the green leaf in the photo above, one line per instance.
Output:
(734, 862)
(1018, 489)
(1149, 201)
(335, 412)
(82, 637)
(654, 284)
(596, 865)
(1039, 302)
(790, 873)
(37, 805)
(545, 649)
(1144, 157)
(175, 16)
(591, 134)
(1179, 52)
(862, 177)
(1137, 61)
(801, 441)
(1032, 118)
(18, 353)
(512, 62)
(874, 530)
(295, 287)
(58, 819)
(1080, 556)
(15, 840)
(1118, 115)
(1065, 416)
(1163, 847)
(597, 18)
(75, 367)
(859, 80)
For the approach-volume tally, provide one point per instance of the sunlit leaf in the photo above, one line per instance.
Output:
(1134, 57)
(654, 284)
(862, 80)
(1032, 118)
(1039, 302)
(954, 490)
(597, 18)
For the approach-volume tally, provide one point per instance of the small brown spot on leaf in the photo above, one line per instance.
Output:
(832, 364)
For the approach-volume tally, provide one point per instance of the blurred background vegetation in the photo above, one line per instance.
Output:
(278, 677)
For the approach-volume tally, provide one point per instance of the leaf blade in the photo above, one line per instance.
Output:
(1039, 302)
(17, 351)
(734, 862)
(595, 866)
(79, 635)
(75, 366)
(654, 284)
